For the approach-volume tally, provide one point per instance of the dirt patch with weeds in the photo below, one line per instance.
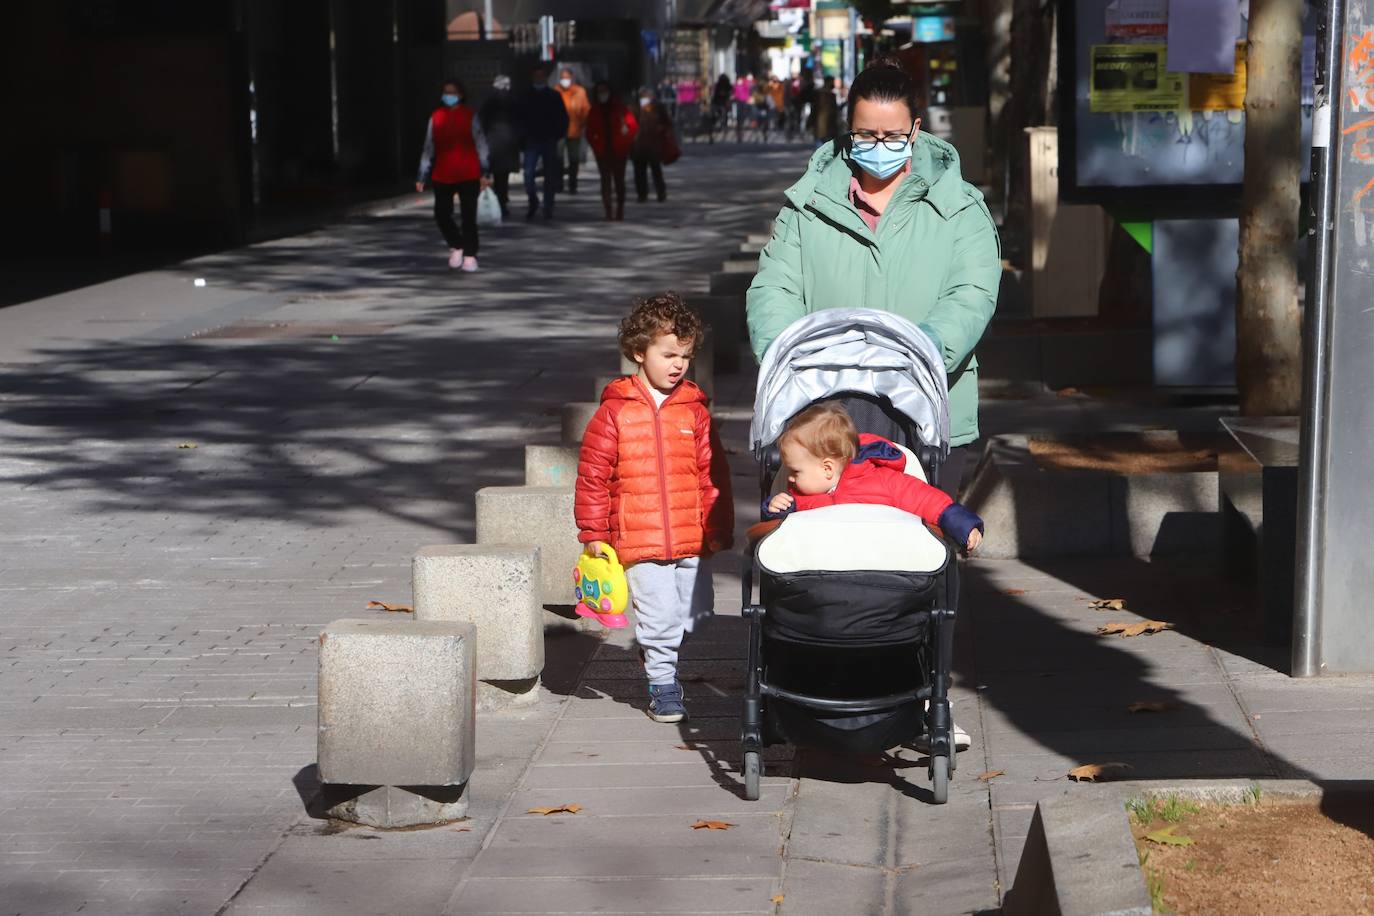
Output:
(1271, 856)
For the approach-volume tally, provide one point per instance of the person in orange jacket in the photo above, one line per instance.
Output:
(570, 149)
(611, 129)
(653, 483)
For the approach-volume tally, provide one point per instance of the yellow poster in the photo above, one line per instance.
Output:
(1128, 77)
(1219, 91)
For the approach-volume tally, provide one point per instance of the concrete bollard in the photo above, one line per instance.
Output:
(396, 720)
(574, 419)
(628, 366)
(730, 283)
(703, 369)
(496, 589)
(551, 465)
(539, 517)
(740, 266)
(725, 315)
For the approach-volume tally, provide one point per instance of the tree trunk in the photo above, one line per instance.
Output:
(1032, 28)
(1268, 330)
(997, 27)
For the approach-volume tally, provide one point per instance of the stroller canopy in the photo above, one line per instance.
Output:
(852, 350)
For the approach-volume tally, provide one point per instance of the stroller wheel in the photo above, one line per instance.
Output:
(939, 779)
(753, 768)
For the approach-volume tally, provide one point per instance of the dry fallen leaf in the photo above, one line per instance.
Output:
(1134, 629)
(1108, 604)
(711, 825)
(395, 608)
(991, 775)
(461, 829)
(1067, 392)
(776, 898)
(1152, 706)
(187, 445)
(1100, 772)
(684, 747)
(1013, 591)
(555, 809)
(1166, 836)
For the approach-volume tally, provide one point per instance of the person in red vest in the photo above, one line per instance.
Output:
(455, 161)
(611, 129)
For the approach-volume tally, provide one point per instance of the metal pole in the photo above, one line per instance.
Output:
(1314, 441)
(486, 20)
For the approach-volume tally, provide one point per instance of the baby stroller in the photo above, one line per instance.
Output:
(850, 642)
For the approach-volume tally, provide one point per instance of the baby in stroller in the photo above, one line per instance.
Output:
(851, 635)
(829, 462)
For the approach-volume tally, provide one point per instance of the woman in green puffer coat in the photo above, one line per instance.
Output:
(883, 219)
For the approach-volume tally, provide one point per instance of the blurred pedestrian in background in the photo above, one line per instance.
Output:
(543, 122)
(825, 113)
(777, 103)
(804, 100)
(454, 161)
(498, 117)
(720, 105)
(611, 129)
(570, 147)
(650, 145)
(743, 93)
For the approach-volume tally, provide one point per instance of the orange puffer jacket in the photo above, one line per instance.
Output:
(653, 483)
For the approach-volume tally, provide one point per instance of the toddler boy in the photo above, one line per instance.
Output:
(828, 462)
(653, 482)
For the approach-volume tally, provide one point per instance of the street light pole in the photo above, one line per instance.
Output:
(1313, 438)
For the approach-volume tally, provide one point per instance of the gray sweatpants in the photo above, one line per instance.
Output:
(670, 598)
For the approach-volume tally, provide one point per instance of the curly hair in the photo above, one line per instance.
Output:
(656, 316)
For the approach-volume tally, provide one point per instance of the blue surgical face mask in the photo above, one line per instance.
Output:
(881, 162)
(450, 99)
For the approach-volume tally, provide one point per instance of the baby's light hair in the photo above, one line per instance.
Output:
(825, 430)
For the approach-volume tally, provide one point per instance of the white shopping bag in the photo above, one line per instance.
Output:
(488, 208)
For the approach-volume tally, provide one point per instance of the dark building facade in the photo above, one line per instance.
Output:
(205, 124)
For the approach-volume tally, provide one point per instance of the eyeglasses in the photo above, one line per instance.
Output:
(862, 141)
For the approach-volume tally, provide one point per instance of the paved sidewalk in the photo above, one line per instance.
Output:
(157, 698)
(161, 604)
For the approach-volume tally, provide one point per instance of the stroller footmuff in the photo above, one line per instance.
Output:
(851, 635)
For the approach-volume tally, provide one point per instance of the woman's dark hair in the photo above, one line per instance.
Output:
(884, 80)
(603, 84)
(456, 84)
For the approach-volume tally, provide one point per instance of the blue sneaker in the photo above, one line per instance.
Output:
(665, 702)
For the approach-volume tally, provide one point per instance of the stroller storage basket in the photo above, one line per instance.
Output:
(854, 609)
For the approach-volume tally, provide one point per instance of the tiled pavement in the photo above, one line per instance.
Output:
(160, 606)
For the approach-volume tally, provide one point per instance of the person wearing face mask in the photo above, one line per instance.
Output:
(543, 122)
(499, 118)
(649, 145)
(882, 219)
(570, 147)
(455, 161)
(611, 130)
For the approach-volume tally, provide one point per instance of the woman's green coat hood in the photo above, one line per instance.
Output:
(934, 259)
